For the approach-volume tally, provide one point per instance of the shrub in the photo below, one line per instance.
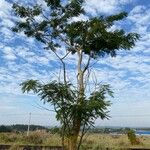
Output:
(132, 137)
(34, 138)
(8, 138)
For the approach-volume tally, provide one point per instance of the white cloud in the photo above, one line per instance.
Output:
(5, 9)
(95, 7)
(8, 53)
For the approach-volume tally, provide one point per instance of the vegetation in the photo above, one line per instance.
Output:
(34, 138)
(90, 141)
(5, 129)
(88, 40)
(20, 128)
(132, 137)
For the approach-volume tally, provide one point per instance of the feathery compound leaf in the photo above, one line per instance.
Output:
(53, 3)
(111, 19)
(30, 85)
(92, 36)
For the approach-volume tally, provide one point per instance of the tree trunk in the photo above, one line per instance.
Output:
(73, 142)
(73, 139)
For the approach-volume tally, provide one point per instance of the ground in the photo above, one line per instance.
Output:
(91, 141)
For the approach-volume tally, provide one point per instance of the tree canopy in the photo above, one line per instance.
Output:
(92, 35)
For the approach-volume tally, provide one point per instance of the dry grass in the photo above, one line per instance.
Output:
(34, 138)
(91, 141)
(114, 141)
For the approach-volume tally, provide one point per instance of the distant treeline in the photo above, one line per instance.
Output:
(20, 128)
(107, 130)
(23, 128)
(145, 129)
(117, 130)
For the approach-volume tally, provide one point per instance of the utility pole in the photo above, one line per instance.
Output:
(29, 124)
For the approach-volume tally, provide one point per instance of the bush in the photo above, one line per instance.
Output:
(132, 137)
(34, 138)
(8, 138)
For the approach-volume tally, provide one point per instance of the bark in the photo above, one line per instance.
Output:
(73, 139)
(72, 142)
(80, 77)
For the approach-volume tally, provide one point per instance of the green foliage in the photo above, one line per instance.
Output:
(55, 130)
(4, 138)
(27, 12)
(92, 36)
(4, 129)
(110, 20)
(132, 137)
(64, 97)
(30, 85)
(53, 3)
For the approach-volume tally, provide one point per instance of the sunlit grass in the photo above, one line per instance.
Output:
(91, 141)
(114, 141)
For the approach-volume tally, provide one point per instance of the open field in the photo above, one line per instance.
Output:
(91, 141)
(102, 141)
(34, 138)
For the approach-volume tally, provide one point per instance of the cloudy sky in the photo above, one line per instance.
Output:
(23, 58)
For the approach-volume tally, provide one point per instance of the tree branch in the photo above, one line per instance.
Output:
(83, 132)
(64, 65)
(87, 65)
(42, 107)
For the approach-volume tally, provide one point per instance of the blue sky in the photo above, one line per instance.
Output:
(23, 58)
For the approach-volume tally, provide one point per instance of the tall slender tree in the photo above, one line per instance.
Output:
(88, 40)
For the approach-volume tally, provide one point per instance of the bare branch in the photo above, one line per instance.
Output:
(59, 74)
(94, 63)
(65, 55)
(42, 107)
(67, 43)
(45, 16)
(87, 65)
(64, 66)
(83, 132)
(87, 78)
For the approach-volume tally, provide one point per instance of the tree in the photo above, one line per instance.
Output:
(5, 129)
(88, 40)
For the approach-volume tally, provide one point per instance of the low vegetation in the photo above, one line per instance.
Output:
(132, 137)
(91, 141)
(20, 128)
(34, 138)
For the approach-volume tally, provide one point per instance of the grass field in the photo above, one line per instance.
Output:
(91, 141)
(101, 141)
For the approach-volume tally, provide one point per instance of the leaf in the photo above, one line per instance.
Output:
(30, 85)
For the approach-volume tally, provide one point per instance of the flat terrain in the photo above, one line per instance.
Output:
(114, 141)
(91, 141)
